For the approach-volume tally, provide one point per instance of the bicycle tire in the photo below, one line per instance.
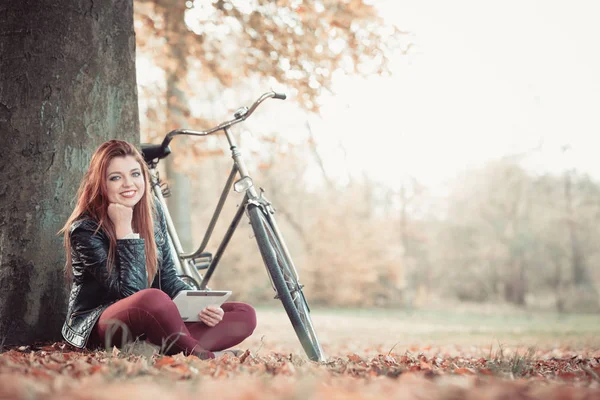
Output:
(296, 306)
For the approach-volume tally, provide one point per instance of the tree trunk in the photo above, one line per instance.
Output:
(67, 84)
(557, 285)
(177, 115)
(577, 258)
(516, 288)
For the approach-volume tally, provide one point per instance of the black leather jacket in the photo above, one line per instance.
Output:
(94, 289)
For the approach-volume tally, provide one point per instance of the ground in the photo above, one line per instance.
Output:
(454, 353)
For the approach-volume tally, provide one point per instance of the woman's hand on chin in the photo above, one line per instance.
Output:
(121, 217)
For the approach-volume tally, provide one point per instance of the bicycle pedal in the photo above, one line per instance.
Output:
(201, 266)
(203, 261)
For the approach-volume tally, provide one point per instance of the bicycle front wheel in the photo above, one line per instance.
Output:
(288, 289)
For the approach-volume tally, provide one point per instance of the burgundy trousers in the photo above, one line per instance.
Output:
(150, 314)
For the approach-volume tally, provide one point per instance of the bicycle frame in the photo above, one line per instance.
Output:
(262, 219)
(184, 262)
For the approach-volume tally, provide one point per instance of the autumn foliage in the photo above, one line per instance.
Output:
(57, 371)
(369, 355)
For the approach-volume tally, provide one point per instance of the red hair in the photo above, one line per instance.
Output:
(93, 201)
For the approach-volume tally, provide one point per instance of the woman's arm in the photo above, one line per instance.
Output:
(128, 275)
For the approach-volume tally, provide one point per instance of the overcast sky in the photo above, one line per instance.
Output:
(484, 79)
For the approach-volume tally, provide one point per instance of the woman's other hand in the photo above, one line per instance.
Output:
(121, 217)
(211, 315)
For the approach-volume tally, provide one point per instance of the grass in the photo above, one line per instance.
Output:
(377, 331)
(516, 364)
(371, 354)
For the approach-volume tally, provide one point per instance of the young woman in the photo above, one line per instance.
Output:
(120, 267)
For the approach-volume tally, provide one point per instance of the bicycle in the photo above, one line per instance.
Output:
(276, 256)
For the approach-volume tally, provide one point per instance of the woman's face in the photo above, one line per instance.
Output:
(125, 181)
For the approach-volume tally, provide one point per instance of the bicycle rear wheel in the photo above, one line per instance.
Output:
(288, 289)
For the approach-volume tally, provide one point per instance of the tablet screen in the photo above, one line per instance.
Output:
(191, 302)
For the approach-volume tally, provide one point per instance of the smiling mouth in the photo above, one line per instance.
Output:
(128, 194)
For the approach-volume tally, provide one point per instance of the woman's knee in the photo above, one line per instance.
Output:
(153, 301)
(250, 318)
(245, 313)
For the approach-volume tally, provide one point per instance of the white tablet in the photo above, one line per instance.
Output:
(191, 302)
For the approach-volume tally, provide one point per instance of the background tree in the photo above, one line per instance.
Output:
(299, 45)
(207, 47)
(67, 84)
(502, 234)
(508, 237)
(202, 49)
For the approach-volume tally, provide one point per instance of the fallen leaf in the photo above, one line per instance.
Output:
(244, 356)
(567, 375)
(463, 371)
(165, 360)
(425, 365)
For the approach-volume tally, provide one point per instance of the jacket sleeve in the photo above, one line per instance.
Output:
(170, 283)
(128, 275)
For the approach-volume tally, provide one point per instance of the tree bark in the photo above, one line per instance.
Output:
(177, 115)
(67, 84)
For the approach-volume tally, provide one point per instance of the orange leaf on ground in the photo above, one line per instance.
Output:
(463, 371)
(567, 375)
(426, 365)
(182, 368)
(54, 347)
(96, 368)
(166, 360)
(244, 356)
(40, 373)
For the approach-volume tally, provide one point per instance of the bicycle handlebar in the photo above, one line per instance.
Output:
(240, 115)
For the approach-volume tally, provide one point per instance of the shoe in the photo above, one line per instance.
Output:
(204, 354)
(231, 352)
(141, 348)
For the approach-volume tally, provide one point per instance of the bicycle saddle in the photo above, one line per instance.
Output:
(153, 151)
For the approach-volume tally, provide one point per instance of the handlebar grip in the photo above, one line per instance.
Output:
(166, 142)
(280, 96)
